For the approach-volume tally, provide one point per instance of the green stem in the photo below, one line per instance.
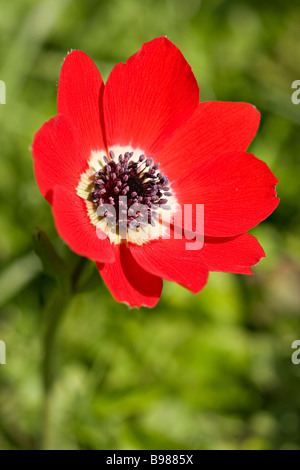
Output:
(53, 315)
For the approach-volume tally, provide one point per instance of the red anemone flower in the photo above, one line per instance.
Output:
(145, 139)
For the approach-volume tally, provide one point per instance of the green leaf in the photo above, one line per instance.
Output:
(52, 263)
(17, 275)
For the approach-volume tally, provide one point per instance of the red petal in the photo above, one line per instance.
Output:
(170, 260)
(58, 158)
(215, 128)
(149, 97)
(74, 226)
(233, 255)
(130, 283)
(237, 190)
(80, 92)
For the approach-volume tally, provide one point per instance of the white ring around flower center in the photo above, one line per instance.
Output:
(138, 235)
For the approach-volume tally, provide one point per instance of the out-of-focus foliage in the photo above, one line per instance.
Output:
(211, 371)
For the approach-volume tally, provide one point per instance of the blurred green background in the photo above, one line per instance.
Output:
(211, 371)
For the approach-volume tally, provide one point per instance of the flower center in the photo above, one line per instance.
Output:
(128, 191)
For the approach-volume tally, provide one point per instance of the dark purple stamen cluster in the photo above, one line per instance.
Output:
(139, 181)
